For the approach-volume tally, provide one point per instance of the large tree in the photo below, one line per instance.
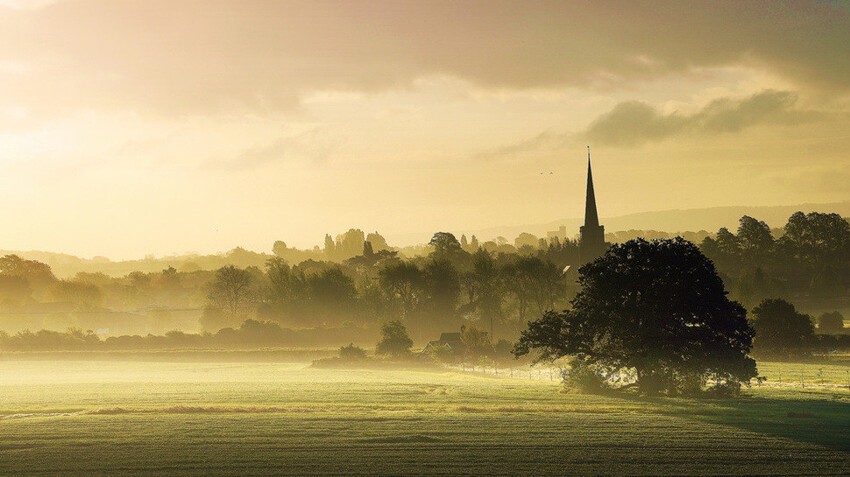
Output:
(657, 309)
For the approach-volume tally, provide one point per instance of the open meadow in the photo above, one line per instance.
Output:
(135, 417)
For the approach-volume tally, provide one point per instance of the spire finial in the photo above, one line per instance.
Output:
(590, 216)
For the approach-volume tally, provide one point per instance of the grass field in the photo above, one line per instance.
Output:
(125, 418)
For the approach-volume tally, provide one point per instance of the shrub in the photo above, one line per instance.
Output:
(442, 354)
(585, 377)
(352, 353)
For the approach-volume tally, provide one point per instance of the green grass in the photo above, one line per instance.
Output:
(792, 374)
(125, 418)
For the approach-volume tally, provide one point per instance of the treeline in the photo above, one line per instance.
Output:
(458, 282)
(809, 258)
(626, 235)
(251, 334)
(496, 285)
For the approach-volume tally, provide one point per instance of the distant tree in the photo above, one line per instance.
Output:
(279, 248)
(367, 249)
(395, 341)
(231, 292)
(464, 244)
(378, 241)
(524, 239)
(831, 323)
(38, 275)
(476, 344)
(82, 294)
(445, 244)
(536, 284)
(402, 281)
(332, 294)
(816, 239)
(14, 290)
(484, 288)
(287, 293)
(330, 247)
(473, 244)
(656, 308)
(442, 290)
(755, 240)
(350, 244)
(502, 352)
(781, 331)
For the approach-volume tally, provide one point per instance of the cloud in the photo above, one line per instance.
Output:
(633, 123)
(313, 145)
(545, 140)
(197, 57)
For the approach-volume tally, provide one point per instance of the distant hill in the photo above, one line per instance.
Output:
(675, 220)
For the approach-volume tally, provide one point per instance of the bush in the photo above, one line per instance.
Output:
(585, 377)
(725, 389)
(352, 353)
(442, 354)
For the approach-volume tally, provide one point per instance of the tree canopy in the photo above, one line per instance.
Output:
(781, 331)
(655, 308)
(394, 340)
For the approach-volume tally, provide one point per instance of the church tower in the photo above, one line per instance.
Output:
(592, 235)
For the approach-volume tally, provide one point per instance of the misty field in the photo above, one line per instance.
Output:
(125, 418)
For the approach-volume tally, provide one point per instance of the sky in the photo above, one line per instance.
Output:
(130, 128)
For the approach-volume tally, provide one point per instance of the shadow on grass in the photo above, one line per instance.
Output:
(815, 417)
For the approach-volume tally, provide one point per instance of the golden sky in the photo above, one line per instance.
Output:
(165, 126)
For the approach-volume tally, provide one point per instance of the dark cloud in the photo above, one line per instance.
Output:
(195, 56)
(633, 123)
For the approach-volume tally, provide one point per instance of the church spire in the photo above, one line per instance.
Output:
(590, 216)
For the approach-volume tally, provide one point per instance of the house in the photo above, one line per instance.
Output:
(449, 340)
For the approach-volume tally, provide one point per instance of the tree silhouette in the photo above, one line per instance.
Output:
(446, 246)
(831, 323)
(394, 340)
(781, 331)
(657, 308)
(231, 292)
